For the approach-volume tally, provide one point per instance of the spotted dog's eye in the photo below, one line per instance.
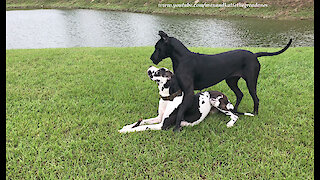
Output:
(157, 73)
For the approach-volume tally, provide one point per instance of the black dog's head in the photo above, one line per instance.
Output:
(162, 49)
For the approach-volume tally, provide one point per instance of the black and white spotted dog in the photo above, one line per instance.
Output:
(171, 97)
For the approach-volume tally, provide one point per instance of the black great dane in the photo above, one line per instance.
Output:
(196, 71)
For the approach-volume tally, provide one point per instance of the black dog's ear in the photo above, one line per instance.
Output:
(163, 36)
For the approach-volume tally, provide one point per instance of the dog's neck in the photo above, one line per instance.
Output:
(178, 52)
(163, 89)
(168, 88)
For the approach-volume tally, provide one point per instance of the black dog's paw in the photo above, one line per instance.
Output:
(177, 129)
(165, 127)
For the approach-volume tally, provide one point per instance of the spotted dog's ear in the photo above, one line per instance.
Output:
(164, 36)
(168, 74)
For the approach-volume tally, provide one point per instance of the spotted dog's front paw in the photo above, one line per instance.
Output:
(130, 127)
(234, 119)
(122, 130)
(126, 128)
(230, 124)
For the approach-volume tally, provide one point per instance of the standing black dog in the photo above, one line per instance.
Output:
(198, 71)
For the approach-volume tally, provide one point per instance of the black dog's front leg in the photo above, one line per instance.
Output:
(170, 121)
(185, 81)
(184, 106)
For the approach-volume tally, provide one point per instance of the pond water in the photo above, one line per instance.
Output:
(51, 28)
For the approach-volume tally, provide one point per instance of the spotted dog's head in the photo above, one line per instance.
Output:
(162, 77)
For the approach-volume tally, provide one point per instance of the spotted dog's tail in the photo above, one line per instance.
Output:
(240, 113)
(259, 54)
(230, 107)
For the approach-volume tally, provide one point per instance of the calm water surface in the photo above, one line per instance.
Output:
(27, 29)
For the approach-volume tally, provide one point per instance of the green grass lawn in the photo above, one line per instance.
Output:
(64, 108)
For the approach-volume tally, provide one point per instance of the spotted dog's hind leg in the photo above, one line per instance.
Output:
(233, 117)
(223, 105)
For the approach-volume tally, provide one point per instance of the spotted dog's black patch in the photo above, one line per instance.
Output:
(167, 84)
(150, 74)
(160, 72)
(164, 72)
(137, 124)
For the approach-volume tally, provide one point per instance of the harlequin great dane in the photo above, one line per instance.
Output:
(171, 98)
(196, 71)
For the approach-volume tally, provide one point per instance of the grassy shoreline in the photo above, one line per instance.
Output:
(273, 11)
(64, 108)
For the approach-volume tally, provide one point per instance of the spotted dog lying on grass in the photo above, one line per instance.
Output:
(171, 97)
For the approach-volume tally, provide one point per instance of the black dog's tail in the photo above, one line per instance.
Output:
(259, 54)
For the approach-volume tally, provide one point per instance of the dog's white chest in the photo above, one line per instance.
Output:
(172, 105)
(204, 104)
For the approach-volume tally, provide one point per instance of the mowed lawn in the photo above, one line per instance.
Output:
(64, 108)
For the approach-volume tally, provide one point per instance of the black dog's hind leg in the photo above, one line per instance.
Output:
(252, 86)
(253, 93)
(233, 85)
(251, 79)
